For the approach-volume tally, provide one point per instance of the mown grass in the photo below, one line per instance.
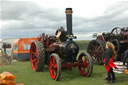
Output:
(83, 44)
(24, 74)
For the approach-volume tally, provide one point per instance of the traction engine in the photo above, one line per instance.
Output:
(118, 36)
(59, 51)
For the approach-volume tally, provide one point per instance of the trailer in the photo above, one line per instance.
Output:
(21, 48)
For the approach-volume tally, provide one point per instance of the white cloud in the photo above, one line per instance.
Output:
(84, 36)
(83, 8)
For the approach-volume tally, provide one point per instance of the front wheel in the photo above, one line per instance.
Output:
(55, 66)
(96, 50)
(86, 66)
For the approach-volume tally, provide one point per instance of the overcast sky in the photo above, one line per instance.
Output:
(29, 18)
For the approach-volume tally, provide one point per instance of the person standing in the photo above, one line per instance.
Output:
(109, 55)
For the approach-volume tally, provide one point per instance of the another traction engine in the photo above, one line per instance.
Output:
(118, 36)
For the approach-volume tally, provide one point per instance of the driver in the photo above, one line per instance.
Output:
(61, 35)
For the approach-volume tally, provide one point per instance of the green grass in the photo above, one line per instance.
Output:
(24, 74)
(83, 44)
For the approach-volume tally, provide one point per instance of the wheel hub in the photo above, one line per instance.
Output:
(33, 56)
(52, 67)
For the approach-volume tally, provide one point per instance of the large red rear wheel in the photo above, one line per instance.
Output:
(37, 56)
(55, 66)
(96, 50)
(86, 66)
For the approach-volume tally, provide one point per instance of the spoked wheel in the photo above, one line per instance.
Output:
(86, 66)
(55, 66)
(116, 31)
(96, 50)
(116, 44)
(37, 56)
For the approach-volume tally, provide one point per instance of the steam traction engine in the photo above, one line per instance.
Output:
(118, 36)
(59, 51)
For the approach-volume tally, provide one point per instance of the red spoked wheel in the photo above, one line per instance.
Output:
(86, 66)
(96, 50)
(33, 56)
(37, 56)
(55, 66)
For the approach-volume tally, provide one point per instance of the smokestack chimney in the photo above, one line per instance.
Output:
(69, 20)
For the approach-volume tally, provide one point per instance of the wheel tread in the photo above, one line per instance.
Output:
(41, 56)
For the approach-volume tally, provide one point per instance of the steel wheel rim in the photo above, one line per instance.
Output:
(115, 42)
(96, 52)
(33, 56)
(83, 69)
(52, 67)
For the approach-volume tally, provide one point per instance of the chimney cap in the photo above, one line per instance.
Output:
(68, 8)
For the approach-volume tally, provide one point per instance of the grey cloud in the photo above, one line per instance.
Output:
(12, 10)
(27, 15)
(21, 10)
(26, 19)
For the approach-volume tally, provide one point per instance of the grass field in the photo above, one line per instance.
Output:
(83, 44)
(24, 74)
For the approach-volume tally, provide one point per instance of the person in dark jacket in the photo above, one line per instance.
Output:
(125, 56)
(109, 54)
